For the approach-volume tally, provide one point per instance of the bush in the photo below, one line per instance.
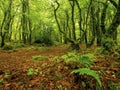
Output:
(44, 41)
(19, 45)
(80, 60)
(8, 47)
(37, 41)
(108, 44)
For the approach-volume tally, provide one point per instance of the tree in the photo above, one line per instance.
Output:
(74, 43)
(7, 20)
(109, 34)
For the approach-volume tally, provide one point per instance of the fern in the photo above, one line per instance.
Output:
(71, 54)
(90, 56)
(85, 60)
(89, 72)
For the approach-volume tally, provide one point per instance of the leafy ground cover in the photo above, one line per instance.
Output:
(47, 68)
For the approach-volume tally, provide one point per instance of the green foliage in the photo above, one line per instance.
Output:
(32, 71)
(20, 83)
(115, 64)
(108, 44)
(113, 86)
(83, 84)
(29, 89)
(56, 59)
(43, 65)
(82, 60)
(99, 50)
(8, 47)
(1, 81)
(6, 75)
(47, 40)
(88, 72)
(38, 58)
(18, 44)
(13, 45)
(36, 47)
(117, 49)
(43, 36)
(59, 87)
(71, 56)
(86, 59)
(89, 56)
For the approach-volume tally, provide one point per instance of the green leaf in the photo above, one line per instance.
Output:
(1, 81)
(30, 72)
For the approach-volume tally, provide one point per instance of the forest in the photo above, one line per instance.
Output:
(59, 44)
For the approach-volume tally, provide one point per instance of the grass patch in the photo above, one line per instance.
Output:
(39, 58)
(32, 71)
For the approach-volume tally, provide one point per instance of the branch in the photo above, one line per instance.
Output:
(58, 5)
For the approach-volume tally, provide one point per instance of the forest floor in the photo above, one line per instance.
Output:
(19, 70)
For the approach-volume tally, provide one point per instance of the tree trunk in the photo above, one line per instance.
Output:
(111, 31)
(92, 27)
(3, 40)
(98, 30)
(4, 29)
(72, 3)
(74, 45)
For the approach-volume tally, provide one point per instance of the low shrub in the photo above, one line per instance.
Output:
(8, 47)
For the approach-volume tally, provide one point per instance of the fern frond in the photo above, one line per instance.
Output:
(89, 55)
(89, 72)
(84, 60)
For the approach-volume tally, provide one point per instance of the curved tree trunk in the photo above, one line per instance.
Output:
(74, 44)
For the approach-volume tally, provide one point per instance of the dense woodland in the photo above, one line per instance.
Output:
(65, 21)
(68, 30)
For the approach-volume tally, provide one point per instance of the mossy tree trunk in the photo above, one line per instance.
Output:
(26, 22)
(109, 34)
(6, 22)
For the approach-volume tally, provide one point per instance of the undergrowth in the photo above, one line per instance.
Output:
(82, 60)
(113, 86)
(82, 65)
